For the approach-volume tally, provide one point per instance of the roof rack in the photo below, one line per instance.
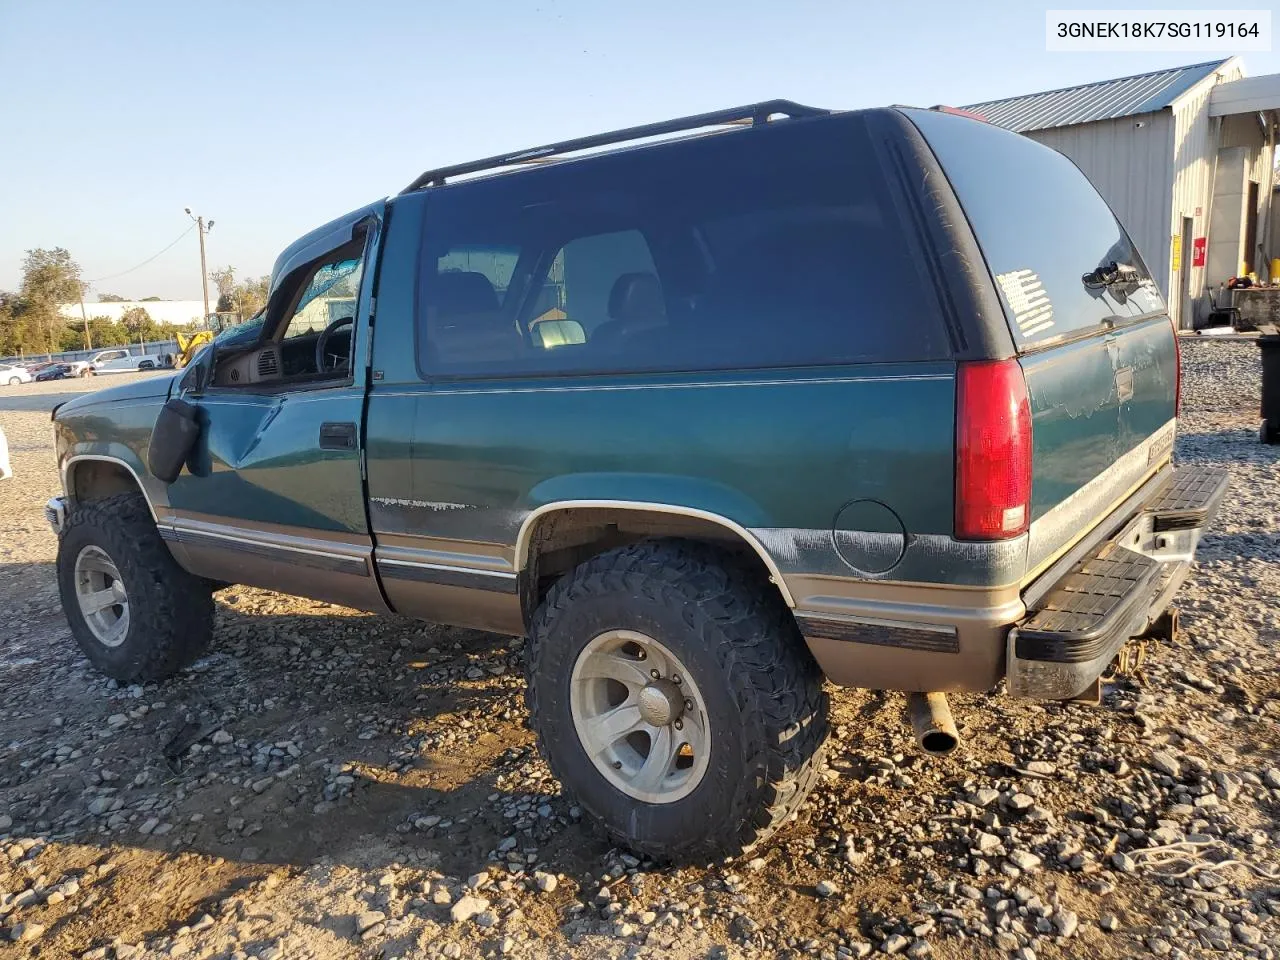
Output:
(754, 113)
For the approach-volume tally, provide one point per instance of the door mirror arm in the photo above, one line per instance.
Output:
(198, 374)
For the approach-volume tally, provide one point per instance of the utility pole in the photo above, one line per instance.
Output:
(88, 337)
(202, 228)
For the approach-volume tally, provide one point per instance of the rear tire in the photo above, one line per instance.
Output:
(14, 381)
(748, 681)
(162, 619)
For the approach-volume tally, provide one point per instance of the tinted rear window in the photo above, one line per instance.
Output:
(770, 247)
(1041, 226)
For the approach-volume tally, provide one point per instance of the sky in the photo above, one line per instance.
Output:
(271, 118)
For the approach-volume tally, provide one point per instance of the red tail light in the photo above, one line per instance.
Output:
(993, 451)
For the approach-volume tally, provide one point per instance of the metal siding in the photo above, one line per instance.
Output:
(1132, 168)
(1195, 153)
(1094, 102)
(1244, 130)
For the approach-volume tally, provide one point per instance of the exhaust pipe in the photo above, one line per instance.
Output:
(931, 721)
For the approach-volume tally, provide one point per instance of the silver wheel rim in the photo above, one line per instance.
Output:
(640, 716)
(104, 604)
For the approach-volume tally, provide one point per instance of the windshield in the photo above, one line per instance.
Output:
(242, 333)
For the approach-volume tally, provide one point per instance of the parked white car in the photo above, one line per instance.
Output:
(121, 361)
(12, 374)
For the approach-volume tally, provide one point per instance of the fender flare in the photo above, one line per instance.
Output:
(523, 540)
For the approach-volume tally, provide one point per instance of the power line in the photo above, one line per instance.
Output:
(146, 261)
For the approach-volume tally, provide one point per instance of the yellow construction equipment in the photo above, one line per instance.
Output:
(188, 347)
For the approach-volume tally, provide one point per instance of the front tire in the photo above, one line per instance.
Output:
(675, 650)
(135, 613)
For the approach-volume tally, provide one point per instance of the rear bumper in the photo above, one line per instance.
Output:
(1050, 639)
(1080, 620)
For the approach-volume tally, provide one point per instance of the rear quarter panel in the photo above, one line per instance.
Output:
(844, 473)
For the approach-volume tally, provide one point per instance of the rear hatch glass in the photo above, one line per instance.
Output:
(1042, 226)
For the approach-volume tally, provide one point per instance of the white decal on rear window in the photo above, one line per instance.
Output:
(1032, 311)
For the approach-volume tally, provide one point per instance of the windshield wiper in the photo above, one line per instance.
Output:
(1110, 274)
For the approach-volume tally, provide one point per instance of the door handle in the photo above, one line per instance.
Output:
(337, 436)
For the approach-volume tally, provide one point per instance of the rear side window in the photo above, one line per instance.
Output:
(1042, 227)
(771, 247)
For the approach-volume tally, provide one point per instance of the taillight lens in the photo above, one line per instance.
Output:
(993, 451)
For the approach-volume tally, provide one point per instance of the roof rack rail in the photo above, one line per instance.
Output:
(756, 113)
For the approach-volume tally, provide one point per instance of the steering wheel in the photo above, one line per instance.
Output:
(323, 342)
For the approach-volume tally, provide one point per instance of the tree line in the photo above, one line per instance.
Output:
(31, 324)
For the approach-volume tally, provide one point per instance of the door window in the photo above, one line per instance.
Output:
(311, 339)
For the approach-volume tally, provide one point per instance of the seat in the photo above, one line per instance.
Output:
(465, 323)
(636, 304)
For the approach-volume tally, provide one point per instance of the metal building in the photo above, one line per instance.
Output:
(1185, 158)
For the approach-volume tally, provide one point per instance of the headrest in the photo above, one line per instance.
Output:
(462, 291)
(636, 295)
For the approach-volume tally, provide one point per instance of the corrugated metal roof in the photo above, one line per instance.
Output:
(1105, 100)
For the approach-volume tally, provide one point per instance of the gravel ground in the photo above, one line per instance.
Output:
(366, 787)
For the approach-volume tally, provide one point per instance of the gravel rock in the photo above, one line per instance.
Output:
(1247, 934)
(466, 908)
(1024, 860)
(989, 843)
(1166, 764)
(1124, 863)
(894, 943)
(1066, 923)
(368, 920)
(26, 931)
(826, 888)
(546, 882)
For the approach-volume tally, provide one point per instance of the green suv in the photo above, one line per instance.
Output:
(883, 397)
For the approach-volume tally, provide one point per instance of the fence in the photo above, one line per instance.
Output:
(154, 348)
